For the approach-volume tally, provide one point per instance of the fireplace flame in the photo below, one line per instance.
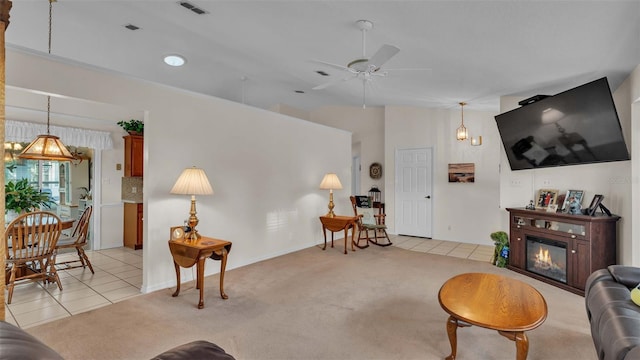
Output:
(543, 259)
(543, 256)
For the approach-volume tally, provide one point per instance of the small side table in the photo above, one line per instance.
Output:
(187, 253)
(339, 223)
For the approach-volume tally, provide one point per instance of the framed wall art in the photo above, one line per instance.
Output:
(463, 172)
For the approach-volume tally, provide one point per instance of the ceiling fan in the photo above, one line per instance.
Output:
(364, 69)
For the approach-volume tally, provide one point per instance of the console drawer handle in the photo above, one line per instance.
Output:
(573, 251)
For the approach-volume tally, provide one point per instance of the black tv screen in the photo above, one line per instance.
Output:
(578, 126)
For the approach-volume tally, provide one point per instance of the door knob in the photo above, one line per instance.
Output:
(428, 197)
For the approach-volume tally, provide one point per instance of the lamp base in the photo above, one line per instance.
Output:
(193, 221)
(331, 205)
(193, 235)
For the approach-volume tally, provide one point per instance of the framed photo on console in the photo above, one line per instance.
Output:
(573, 202)
(545, 198)
(597, 199)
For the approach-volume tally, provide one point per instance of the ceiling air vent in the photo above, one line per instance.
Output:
(132, 27)
(192, 7)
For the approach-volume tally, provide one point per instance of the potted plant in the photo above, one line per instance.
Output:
(133, 126)
(501, 251)
(21, 197)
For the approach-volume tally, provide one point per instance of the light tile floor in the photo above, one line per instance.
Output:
(448, 248)
(118, 276)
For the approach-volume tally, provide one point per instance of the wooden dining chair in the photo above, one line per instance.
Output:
(368, 220)
(30, 241)
(77, 241)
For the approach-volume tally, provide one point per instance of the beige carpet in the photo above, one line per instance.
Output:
(376, 303)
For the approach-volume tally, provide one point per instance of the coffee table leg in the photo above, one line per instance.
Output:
(522, 343)
(452, 326)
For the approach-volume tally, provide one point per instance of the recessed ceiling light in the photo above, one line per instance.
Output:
(174, 60)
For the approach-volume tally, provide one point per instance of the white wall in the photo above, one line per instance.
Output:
(265, 167)
(464, 212)
(367, 126)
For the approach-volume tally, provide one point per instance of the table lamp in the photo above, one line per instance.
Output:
(330, 182)
(193, 181)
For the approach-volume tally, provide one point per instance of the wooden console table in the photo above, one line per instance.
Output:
(187, 253)
(339, 223)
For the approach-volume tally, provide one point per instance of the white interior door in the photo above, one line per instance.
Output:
(413, 215)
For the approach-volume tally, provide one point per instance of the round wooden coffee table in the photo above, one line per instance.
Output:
(494, 302)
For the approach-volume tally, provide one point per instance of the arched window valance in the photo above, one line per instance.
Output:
(20, 131)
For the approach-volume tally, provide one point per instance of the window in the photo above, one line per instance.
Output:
(42, 174)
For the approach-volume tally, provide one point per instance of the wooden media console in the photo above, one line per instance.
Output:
(561, 249)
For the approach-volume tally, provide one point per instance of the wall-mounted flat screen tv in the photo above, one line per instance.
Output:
(578, 126)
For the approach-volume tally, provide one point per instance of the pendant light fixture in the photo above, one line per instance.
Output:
(47, 147)
(462, 133)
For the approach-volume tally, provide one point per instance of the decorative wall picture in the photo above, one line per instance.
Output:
(545, 198)
(462, 172)
(573, 202)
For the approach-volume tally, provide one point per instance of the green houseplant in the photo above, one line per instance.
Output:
(501, 251)
(19, 197)
(133, 126)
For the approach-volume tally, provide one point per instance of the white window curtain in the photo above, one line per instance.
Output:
(20, 131)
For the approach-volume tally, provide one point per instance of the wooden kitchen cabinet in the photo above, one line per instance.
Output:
(133, 155)
(133, 225)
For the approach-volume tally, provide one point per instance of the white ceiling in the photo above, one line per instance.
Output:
(477, 50)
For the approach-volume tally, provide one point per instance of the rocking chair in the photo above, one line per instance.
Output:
(368, 221)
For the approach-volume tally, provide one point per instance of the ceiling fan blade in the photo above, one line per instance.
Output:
(331, 83)
(410, 69)
(336, 66)
(383, 55)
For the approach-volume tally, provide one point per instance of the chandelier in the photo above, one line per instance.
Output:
(47, 147)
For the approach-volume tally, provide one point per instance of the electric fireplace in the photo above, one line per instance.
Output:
(547, 258)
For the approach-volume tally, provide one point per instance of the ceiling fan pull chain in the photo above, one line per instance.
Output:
(364, 94)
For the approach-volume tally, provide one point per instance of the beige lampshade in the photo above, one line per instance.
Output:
(192, 181)
(330, 182)
(46, 147)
